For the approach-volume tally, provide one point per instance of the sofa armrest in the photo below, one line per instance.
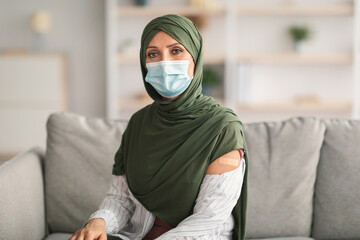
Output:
(22, 206)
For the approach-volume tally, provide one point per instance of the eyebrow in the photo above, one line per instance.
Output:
(173, 44)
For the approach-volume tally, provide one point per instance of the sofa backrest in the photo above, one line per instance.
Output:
(283, 160)
(283, 157)
(22, 211)
(337, 189)
(78, 164)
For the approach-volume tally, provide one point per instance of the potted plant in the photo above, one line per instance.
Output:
(299, 34)
(141, 2)
(210, 79)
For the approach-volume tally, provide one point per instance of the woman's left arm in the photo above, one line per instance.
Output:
(218, 195)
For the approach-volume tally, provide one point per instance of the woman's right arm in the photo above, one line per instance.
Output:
(113, 214)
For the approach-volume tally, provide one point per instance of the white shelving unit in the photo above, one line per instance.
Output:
(237, 66)
(32, 87)
(356, 61)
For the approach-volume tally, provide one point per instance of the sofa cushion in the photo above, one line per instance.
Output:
(65, 236)
(22, 207)
(283, 157)
(58, 236)
(78, 166)
(282, 238)
(337, 189)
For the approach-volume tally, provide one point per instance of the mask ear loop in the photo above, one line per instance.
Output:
(191, 60)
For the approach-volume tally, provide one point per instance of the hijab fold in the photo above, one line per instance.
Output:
(168, 145)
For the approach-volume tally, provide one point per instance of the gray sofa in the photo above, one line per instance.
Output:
(304, 179)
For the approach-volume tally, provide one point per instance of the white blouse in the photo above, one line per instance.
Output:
(126, 218)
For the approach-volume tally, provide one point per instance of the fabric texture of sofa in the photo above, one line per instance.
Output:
(304, 179)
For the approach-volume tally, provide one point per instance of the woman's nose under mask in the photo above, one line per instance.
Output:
(169, 78)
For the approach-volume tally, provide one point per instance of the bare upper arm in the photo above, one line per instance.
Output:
(226, 163)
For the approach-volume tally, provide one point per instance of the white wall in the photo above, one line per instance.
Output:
(77, 31)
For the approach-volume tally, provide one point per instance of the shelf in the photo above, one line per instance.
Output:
(213, 59)
(24, 53)
(343, 9)
(132, 59)
(305, 58)
(344, 106)
(127, 59)
(143, 11)
(298, 10)
(230, 62)
(134, 104)
(34, 104)
(297, 58)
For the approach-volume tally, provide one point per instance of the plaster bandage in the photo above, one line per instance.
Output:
(229, 161)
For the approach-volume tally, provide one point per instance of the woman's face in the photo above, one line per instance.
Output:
(164, 48)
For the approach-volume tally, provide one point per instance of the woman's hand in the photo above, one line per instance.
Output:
(93, 230)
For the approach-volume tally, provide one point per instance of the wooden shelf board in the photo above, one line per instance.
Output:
(343, 9)
(141, 11)
(30, 104)
(297, 58)
(339, 106)
(132, 59)
(214, 59)
(29, 54)
(127, 59)
(340, 58)
(134, 104)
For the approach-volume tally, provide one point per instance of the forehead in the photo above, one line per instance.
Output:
(162, 38)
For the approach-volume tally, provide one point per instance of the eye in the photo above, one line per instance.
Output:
(152, 54)
(176, 51)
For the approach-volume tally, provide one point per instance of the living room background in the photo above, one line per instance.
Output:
(87, 47)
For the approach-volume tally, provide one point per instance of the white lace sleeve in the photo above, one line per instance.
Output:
(217, 197)
(117, 207)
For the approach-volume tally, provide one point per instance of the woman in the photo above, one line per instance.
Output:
(180, 171)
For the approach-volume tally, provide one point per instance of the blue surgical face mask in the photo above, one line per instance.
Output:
(169, 78)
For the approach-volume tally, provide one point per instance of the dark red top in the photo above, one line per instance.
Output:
(157, 229)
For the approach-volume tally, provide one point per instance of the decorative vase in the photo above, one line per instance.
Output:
(299, 46)
(40, 24)
(206, 89)
(141, 2)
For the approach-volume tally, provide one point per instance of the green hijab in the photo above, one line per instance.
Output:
(168, 145)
